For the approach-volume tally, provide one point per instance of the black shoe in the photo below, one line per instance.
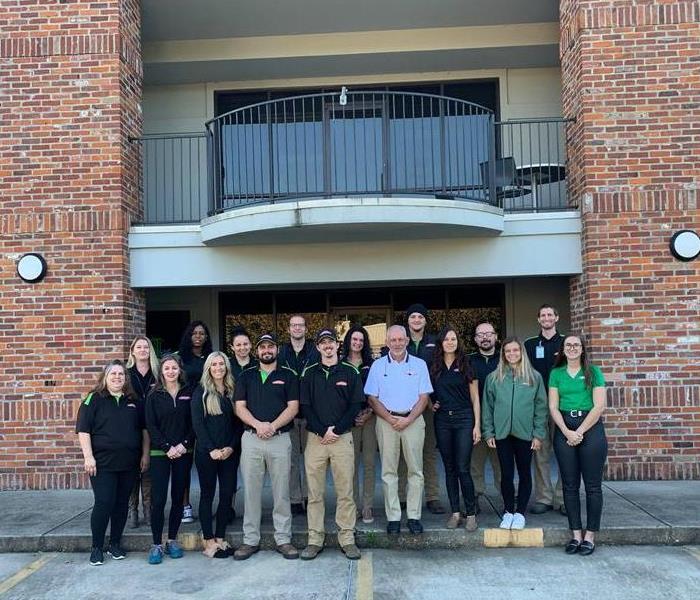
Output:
(415, 526)
(539, 508)
(298, 509)
(393, 527)
(97, 557)
(435, 507)
(586, 548)
(116, 552)
(572, 547)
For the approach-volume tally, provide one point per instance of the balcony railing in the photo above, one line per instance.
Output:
(355, 144)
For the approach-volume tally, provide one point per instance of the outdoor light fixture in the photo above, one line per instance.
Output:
(685, 245)
(343, 96)
(31, 267)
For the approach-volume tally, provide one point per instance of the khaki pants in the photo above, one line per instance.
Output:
(392, 444)
(479, 455)
(257, 456)
(365, 442)
(341, 457)
(297, 483)
(544, 492)
(142, 485)
(430, 453)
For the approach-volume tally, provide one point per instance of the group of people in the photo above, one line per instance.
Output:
(271, 409)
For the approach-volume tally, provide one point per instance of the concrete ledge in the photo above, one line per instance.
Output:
(431, 539)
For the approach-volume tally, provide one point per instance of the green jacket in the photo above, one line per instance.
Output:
(510, 407)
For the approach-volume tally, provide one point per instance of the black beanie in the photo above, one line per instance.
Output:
(417, 308)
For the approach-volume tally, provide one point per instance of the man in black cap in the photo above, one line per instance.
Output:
(422, 345)
(331, 397)
(267, 400)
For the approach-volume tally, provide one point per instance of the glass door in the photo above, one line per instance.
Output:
(375, 319)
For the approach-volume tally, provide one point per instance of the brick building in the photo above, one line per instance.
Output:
(177, 160)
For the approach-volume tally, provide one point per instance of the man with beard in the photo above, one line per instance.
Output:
(331, 398)
(296, 355)
(267, 400)
(484, 361)
(542, 350)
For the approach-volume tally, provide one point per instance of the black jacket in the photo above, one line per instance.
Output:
(215, 431)
(169, 421)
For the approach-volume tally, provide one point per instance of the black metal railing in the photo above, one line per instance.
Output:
(355, 144)
(175, 171)
(349, 144)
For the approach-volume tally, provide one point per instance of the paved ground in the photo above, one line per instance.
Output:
(635, 512)
(613, 573)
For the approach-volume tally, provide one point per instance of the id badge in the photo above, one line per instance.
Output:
(539, 352)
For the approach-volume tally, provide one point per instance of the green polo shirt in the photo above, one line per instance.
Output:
(573, 394)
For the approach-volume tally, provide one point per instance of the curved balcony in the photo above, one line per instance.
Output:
(333, 166)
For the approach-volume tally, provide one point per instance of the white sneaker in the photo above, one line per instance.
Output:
(518, 521)
(187, 516)
(507, 520)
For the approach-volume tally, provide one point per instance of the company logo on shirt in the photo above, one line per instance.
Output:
(278, 382)
(185, 397)
(345, 383)
(131, 406)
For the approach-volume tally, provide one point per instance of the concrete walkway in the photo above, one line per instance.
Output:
(648, 513)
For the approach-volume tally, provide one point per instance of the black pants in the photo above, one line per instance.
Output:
(177, 472)
(455, 443)
(209, 472)
(112, 490)
(513, 451)
(586, 461)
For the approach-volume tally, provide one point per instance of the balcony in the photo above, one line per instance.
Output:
(328, 165)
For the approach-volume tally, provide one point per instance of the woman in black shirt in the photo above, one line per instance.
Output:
(169, 421)
(241, 347)
(142, 366)
(457, 422)
(218, 433)
(110, 429)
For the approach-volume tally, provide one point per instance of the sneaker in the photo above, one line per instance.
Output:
(173, 549)
(96, 557)
(506, 521)
(155, 554)
(116, 552)
(518, 521)
(367, 515)
(470, 523)
(454, 521)
(187, 514)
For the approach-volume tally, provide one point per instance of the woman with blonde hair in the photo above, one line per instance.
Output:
(142, 367)
(514, 422)
(217, 452)
(110, 429)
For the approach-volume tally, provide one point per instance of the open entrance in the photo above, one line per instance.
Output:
(463, 306)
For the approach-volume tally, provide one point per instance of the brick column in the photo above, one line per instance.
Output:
(631, 79)
(71, 91)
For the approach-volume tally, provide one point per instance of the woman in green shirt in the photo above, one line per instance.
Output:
(576, 402)
(514, 416)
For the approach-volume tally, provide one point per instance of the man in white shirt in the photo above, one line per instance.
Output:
(398, 388)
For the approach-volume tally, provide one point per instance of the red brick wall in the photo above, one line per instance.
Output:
(631, 80)
(71, 85)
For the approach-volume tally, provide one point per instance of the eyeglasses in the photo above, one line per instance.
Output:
(572, 346)
(485, 334)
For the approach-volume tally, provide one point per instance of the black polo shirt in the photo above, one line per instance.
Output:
(237, 369)
(194, 367)
(451, 390)
(483, 365)
(267, 400)
(331, 396)
(424, 349)
(116, 429)
(297, 362)
(141, 384)
(543, 360)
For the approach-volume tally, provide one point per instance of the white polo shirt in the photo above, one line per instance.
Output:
(398, 384)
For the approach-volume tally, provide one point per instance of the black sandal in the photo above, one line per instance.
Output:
(586, 548)
(220, 553)
(573, 546)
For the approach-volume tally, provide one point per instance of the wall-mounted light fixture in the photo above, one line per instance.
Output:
(685, 245)
(31, 267)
